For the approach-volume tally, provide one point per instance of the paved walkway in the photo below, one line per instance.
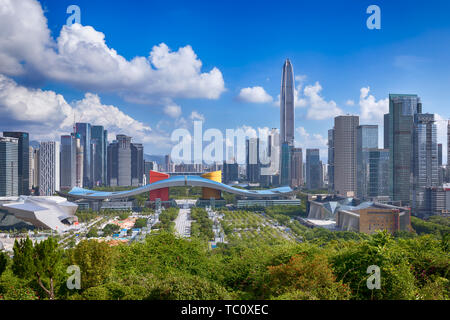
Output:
(183, 223)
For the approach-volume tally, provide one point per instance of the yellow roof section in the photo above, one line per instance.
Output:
(214, 176)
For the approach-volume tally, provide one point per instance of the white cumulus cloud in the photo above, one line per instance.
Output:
(81, 57)
(254, 95)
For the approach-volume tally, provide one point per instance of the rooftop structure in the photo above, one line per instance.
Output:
(54, 213)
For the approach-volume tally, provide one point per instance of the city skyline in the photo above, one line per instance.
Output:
(340, 78)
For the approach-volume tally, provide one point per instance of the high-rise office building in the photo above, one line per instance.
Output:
(9, 166)
(286, 153)
(440, 154)
(252, 160)
(425, 160)
(84, 131)
(386, 131)
(31, 162)
(230, 172)
(79, 161)
(168, 164)
(402, 108)
(35, 166)
(297, 167)
(287, 104)
(125, 162)
(49, 168)
(345, 142)
(331, 160)
(314, 177)
(367, 138)
(137, 164)
(68, 162)
(24, 160)
(99, 159)
(378, 177)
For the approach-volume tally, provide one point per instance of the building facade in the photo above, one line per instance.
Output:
(99, 155)
(314, 169)
(287, 104)
(331, 160)
(378, 173)
(68, 162)
(425, 169)
(84, 132)
(49, 168)
(367, 138)
(252, 160)
(296, 168)
(345, 142)
(9, 166)
(402, 108)
(24, 160)
(119, 161)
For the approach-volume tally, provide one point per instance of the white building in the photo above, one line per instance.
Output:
(54, 213)
(49, 169)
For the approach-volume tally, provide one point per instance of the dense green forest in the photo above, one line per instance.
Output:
(413, 266)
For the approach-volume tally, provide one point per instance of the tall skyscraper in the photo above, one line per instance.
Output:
(314, 178)
(230, 172)
(137, 164)
(79, 161)
(345, 142)
(35, 157)
(252, 160)
(68, 161)
(367, 138)
(9, 166)
(99, 160)
(24, 160)
(31, 162)
(297, 167)
(84, 131)
(378, 177)
(331, 160)
(49, 168)
(287, 104)
(402, 108)
(386, 131)
(425, 160)
(125, 162)
(286, 120)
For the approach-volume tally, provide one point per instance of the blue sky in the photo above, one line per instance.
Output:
(247, 41)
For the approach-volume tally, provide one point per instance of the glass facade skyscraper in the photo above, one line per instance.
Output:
(24, 160)
(9, 166)
(84, 130)
(367, 138)
(313, 169)
(286, 152)
(378, 183)
(425, 160)
(99, 160)
(252, 160)
(68, 161)
(402, 108)
(345, 141)
(287, 104)
(331, 160)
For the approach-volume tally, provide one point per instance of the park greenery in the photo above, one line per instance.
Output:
(269, 254)
(201, 227)
(166, 220)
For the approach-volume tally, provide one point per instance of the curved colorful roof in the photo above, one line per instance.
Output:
(178, 181)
